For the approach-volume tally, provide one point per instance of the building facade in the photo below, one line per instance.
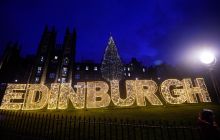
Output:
(55, 63)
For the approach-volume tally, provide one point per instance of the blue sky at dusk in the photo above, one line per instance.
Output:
(150, 30)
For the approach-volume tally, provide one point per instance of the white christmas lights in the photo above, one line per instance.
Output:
(146, 89)
(115, 94)
(112, 67)
(97, 95)
(34, 91)
(53, 96)
(13, 92)
(67, 93)
(37, 96)
(199, 89)
(173, 92)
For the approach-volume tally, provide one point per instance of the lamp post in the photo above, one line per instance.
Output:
(208, 58)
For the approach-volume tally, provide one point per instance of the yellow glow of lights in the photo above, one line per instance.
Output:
(53, 96)
(36, 91)
(115, 94)
(12, 93)
(200, 89)
(97, 95)
(176, 95)
(67, 93)
(146, 88)
(37, 96)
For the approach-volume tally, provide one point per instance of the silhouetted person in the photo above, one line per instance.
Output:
(209, 128)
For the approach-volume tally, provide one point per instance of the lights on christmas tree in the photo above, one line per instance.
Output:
(112, 67)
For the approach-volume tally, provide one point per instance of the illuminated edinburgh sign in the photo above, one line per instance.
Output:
(97, 94)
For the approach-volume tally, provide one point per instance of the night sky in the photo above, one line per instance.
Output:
(153, 31)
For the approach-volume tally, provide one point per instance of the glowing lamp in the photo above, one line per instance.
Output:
(207, 57)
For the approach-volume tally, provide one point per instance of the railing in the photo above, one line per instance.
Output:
(29, 125)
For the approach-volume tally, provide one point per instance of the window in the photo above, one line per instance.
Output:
(128, 69)
(95, 68)
(129, 74)
(37, 79)
(124, 68)
(77, 68)
(41, 59)
(87, 68)
(52, 75)
(77, 76)
(64, 68)
(143, 69)
(55, 57)
(125, 74)
(39, 70)
(65, 61)
(63, 80)
(64, 71)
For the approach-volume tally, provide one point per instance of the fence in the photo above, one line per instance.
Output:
(26, 125)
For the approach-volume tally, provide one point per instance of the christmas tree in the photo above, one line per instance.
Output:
(112, 67)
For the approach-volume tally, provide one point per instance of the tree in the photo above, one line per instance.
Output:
(112, 67)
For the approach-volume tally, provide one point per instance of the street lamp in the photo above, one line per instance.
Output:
(208, 58)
